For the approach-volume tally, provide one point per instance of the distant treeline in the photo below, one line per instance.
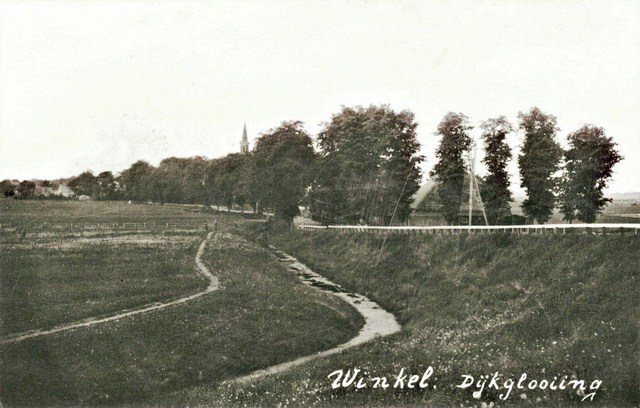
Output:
(365, 168)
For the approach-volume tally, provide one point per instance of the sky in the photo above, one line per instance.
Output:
(99, 84)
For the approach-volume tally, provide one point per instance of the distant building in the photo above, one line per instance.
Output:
(53, 189)
(244, 144)
(428, 209)
(426, 206)
(35, 188)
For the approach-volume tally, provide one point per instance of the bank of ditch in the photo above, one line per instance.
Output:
(263, 316)
(563, 306)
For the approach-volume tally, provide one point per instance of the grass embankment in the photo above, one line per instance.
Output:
(262, 316)
(544, 305)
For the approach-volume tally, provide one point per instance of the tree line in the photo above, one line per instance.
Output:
(365, 168)
(572, 180)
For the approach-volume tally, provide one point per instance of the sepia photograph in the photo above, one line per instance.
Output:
(319, 203)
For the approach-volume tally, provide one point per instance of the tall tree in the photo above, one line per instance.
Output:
(589, 165)
(213, 183)
(450, 169)
(136, 181)
(193, 179)
(167, 180)
(84, 184)
(539, 160)
(282, 169)
(241, 173)
(229, 179)
(369, 166)
(106, 186)
(495, 189)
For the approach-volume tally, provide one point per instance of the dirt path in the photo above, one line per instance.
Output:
(214, 284)
(378, 322)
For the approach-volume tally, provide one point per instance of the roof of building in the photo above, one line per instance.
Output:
(422, 193)
(426, 197)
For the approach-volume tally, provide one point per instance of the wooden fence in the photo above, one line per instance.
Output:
(600, 229)
(102, 226)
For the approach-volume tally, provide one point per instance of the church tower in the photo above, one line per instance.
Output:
(244, 145)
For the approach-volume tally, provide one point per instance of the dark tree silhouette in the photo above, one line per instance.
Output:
(369, 166)
(450, 169)
(106, 186)
(27, 189)
(588, 166)
(495, 189)
(283, 160)
(539, 160)
(136, 181)
(7, 188)
(84, 184)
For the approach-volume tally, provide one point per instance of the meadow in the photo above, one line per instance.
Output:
(32, 213)
(260, 317)
(50, 278)
(549, 306)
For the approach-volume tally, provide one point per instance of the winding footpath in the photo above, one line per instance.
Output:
(214, 284)
(378, 322)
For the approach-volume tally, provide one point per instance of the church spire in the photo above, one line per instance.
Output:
(244, 145)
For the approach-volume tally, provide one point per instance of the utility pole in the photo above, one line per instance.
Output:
(473, 185)
(472, 159)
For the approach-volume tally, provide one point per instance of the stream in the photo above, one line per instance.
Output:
(378, 322)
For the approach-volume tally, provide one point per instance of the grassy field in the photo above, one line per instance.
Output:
(262, 316)
(38, 211)
(619, 211)
(51, 278)
(52, 275)
(545, 305)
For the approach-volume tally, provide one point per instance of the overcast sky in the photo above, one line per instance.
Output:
(100, 84)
